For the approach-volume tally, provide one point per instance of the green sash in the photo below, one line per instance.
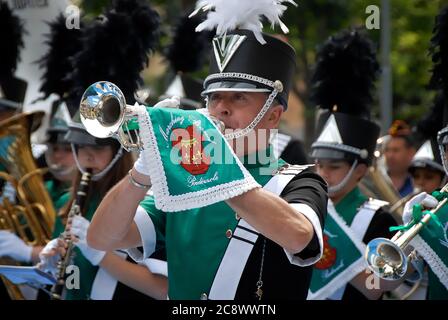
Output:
(432, 245)
(342, 258)
(191, 163)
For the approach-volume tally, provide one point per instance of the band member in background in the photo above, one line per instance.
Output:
(398, 153)
(343, 151)
(109, 164)
(432, 241)
(426, 167)
(59, 158)
(106, 275)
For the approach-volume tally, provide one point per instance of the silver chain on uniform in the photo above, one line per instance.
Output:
(276, 85)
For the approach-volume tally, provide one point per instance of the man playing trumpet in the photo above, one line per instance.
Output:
(282, 235)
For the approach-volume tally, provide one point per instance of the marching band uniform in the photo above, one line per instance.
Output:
(211, 253)
(95, 282)
(431, 243)
(428, 158)
(56, 136)
(210, 230)
(345, 133)
(289, 149)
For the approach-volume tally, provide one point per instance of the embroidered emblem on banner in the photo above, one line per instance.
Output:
(329, 254)
(191, 148)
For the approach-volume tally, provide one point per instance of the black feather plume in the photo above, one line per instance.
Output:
(116, 47)
(188, 49)
(63, 43)
(433, 122)
(345, 71)
(11, 32)
(439, 52)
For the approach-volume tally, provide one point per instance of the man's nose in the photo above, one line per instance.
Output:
(222, 109)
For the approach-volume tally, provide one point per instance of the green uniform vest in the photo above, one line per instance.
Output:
(196, 240)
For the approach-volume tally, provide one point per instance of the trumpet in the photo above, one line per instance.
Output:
(104, 113)
(387, 258)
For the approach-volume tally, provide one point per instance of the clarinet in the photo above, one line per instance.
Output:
(65, 260)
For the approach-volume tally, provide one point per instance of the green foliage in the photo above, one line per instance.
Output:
(312, 21)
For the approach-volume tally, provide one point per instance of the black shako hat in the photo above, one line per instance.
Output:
(239, 62)
(345, 71)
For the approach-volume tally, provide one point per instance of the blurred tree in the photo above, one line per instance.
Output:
(312, 21)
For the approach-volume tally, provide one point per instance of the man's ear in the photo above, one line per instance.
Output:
(275, 115)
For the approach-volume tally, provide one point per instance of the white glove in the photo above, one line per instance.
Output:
(14, 247)
(142, 164)
(172, 102)
(425, 199)
(49, 257)
(79, 230)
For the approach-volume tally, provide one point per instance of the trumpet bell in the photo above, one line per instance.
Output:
(386, 259)
(102, 109)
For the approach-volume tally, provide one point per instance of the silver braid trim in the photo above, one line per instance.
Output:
(242, 76)
(101, 174)
(337, 146)
(245, 76)
(440, 135)
(244, 132)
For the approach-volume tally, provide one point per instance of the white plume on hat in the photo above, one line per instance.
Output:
(228, 15)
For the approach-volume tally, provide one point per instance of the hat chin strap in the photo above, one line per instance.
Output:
(335, 189)
(103, 172)
(238, 133)
(54, 169)
(443, 157)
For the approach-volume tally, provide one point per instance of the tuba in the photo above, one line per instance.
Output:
(387, 258)
(32, 217)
